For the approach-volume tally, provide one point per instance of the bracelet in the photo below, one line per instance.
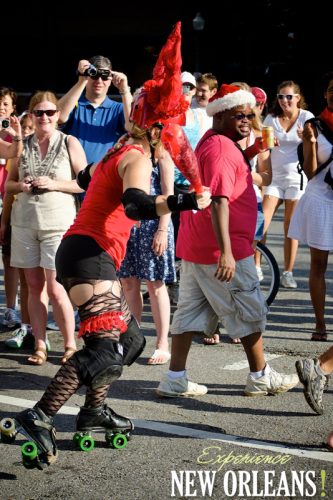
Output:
(162, 230)
(17, 139)
(128, 91)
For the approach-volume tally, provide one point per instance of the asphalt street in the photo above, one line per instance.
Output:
(221, 445)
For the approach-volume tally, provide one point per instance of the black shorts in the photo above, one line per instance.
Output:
(97, 355)
(80, 256)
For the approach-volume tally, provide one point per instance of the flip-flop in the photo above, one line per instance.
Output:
(214, 340)
(157, 354)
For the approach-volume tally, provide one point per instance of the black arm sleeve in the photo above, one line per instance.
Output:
(182, 201)
(139, 205)
(83, 177)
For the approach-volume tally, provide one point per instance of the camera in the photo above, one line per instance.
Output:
(5, 123)
(91, 71)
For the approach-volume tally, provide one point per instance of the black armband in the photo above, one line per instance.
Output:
(83, 177)
(182, 201)
(139, 205)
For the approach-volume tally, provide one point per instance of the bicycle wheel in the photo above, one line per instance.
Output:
(271, 273)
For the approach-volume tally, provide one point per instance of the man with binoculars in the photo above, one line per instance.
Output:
(89, 114)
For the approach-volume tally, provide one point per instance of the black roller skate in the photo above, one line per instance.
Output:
(117, 428)
(41, 448)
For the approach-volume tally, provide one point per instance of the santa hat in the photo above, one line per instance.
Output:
(259, 94)
(161, 98)
(228, 97)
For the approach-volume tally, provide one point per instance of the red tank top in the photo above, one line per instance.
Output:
(102, 215)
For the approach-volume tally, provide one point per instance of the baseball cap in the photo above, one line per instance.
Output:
(259, 94)
(187, 77)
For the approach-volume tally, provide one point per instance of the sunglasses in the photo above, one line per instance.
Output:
(285, 96)
(48, 112)
(241, 116)
(103, 73)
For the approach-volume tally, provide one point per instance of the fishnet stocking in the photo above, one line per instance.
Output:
(62, 387)
(95, 397)
(96, 297)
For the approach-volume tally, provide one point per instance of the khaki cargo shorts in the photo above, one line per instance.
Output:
(204, 300)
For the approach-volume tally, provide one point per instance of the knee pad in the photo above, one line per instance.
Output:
(133, 342)
(98, 363)
(106, 376)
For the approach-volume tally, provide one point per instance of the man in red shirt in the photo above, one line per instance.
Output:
(222, 235)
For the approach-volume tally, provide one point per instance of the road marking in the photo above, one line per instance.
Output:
(178, 430)
(240, 365)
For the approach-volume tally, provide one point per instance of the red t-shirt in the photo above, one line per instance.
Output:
(223, 169)
(102, 214)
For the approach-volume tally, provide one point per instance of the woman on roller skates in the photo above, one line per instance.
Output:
(92, 250)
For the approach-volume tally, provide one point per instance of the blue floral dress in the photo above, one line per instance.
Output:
(140, 261)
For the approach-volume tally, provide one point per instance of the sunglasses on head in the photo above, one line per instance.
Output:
(241, 116)
(101, 73)
(40, 112)
(285, 96)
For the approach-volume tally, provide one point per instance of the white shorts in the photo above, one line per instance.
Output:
(204, 300)
(289, 193)
(34, 248)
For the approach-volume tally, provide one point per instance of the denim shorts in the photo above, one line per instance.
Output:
(204, 300)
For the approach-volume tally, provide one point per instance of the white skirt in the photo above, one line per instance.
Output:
(312, 221)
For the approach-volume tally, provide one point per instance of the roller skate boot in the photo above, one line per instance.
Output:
(40, 449)
(117, 428)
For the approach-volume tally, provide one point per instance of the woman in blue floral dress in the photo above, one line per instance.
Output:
(150, 257)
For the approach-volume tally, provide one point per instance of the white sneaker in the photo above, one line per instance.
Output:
(259, 273)
(11, 318)
(287, 280)
(314, 383)
(17, 339)
(272, 383)
(181, 386)
(52, 325)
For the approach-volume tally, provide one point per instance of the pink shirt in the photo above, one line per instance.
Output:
(224, 169)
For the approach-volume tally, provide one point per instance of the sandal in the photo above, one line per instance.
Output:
(236, 341)
(319, 336)
(39, 357)
(214, 340)
(159, 357)
(69, 351)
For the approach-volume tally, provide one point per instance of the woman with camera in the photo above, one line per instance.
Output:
(44, 181)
